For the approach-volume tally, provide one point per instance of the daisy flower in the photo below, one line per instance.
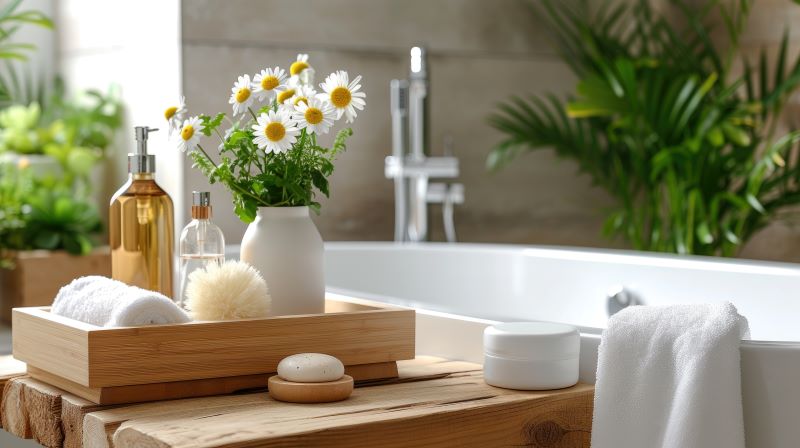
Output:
(189, 135)
(314, 115)
(274, 131)
(267, 83)
(301, 95)
(174, 115)
(287, 94)
(345, 97)
(241, 95)
(299, 65)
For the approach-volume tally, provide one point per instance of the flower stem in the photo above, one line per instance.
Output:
(222, 139)
(232, 185)
(253, 114)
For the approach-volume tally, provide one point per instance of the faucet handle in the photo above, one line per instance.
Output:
(448, 145)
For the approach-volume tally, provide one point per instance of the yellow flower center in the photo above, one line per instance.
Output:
(313, 115)
(300, 99)
(242, 95)
(275, 131)
(340, 97)
(285, 95)
(297, 67)
(269, 82)
(187, 132)
(170, 112)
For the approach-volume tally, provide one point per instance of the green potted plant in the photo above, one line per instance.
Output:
(660, 119)
(50, 144)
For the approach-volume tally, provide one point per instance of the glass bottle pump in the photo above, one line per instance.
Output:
(201, 243)
(141, 226)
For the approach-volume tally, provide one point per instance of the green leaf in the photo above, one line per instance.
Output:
(704, 234)
(211, 124)
(753, 201)
(46, 240)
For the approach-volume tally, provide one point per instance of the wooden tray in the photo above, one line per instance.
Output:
(121, 365)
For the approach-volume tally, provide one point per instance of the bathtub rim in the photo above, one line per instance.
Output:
(576, 254)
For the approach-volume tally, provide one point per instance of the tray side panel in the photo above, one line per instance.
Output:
(142, 355)
(50, 343)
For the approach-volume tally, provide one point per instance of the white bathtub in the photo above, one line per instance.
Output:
(459, 289)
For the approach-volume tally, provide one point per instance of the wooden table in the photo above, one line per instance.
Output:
(434, 403)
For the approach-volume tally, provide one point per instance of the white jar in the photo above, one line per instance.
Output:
(531, 355)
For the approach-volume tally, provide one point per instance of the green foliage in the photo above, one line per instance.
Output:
(41, 214)
(11, 20)
(661, 121)
(38, 211)
(73, 131)
(259, 179)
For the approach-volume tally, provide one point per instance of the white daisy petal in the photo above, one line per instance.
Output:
(175, 115)
(314, 115)
(342, 95)
(299, 65)
(296, 95)
(268, 83)
(241, 95)
(188, 136)
(274, 131)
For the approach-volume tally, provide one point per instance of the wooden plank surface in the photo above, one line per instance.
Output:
(459, 410)
(99, 427)
(9, 368)
(433, 402)
(14, 415)
(43, 407)
(36, 410)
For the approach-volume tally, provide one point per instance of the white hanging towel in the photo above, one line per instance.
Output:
(669, 377)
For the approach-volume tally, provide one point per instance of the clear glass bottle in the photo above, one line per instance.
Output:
(141, 226)
(201, 243)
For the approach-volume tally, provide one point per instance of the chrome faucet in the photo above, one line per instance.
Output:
(411, 165)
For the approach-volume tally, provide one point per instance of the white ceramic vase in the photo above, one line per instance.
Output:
(285, 246)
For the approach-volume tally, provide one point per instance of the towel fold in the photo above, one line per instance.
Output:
(669, 376)
(109, 303)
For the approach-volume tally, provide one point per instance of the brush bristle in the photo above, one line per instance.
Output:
(232, 290)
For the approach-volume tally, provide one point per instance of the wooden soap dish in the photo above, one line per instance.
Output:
(326, 392)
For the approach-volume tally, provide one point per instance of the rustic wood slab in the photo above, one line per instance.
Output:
(14, 414)
(460, 410)
(433, 402)
(9, 368)
(99, 427)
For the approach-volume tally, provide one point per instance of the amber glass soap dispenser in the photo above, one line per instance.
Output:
(141, 225)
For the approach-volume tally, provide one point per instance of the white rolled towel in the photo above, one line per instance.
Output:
(105, 302)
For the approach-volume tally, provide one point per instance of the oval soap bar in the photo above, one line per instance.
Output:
(310, 368)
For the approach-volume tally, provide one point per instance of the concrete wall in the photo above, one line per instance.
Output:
(481, 53)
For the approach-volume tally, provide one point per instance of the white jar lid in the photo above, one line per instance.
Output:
(532, 341)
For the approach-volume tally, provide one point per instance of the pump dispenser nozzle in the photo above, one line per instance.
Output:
(141, 161)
